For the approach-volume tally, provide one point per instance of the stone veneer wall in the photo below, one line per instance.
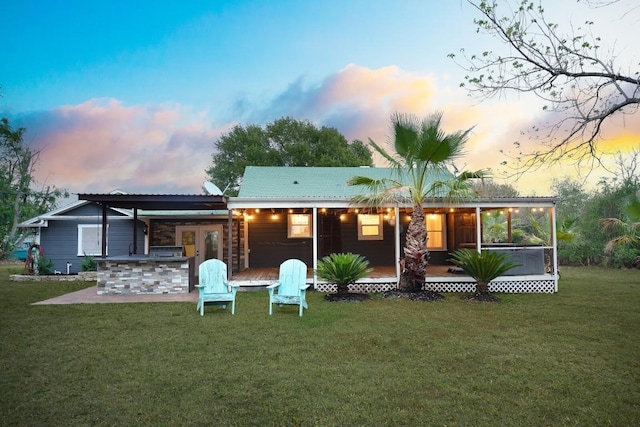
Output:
(143, 277)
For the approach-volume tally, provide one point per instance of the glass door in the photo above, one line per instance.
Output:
(200, 241)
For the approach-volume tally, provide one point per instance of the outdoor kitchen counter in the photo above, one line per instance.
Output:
(143, 274)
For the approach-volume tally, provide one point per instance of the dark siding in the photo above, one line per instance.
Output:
(59, 241)
(269, 245)
(435, 257)
(378, 252)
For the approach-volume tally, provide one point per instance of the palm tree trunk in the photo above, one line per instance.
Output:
(482, 288)
(415, 252)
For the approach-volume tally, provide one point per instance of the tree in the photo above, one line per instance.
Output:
(422, 151)
(489, 188)
(578, 82)
(627, 230)
(17, 165)
(284, 142)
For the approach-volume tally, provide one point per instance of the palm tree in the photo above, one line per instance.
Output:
(627, 230)
(423, 153)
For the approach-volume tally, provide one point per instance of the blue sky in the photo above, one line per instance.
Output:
(133, 95)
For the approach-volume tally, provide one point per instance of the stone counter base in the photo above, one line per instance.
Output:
(143, 277)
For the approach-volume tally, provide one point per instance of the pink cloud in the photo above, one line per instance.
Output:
(101, 145)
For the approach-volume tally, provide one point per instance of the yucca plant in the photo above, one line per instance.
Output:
(343, 269)
(482, 266)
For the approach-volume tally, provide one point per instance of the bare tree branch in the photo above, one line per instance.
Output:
(581, 86)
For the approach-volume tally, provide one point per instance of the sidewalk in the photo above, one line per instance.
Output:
(90, 296)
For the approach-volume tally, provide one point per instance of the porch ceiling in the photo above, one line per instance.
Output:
(158, 201)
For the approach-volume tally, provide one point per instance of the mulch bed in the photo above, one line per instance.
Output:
(425, 296)
(346, 297)
(413, 296)
(481, 297)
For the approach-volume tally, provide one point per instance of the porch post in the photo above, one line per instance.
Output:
(478, 229)
(135, 229)
(554, 244)
(229, 244)
(315, 245)
(397, 238)
(104, 230)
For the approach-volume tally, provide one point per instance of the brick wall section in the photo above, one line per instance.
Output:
(143, 277)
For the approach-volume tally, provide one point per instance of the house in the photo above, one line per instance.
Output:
(308, 213)
(69, 233)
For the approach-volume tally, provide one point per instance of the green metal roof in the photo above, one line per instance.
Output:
(305, 182)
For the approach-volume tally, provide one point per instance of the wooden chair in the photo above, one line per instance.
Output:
(213, 287)
(291, 287)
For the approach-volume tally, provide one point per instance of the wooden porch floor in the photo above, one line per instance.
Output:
(379, 272)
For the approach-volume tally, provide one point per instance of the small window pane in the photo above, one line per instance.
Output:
(370, 227)
(299, 226)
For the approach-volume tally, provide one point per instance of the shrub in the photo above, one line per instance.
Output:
(43, 265)
(482, 266)
(343, 269)
(88, 263)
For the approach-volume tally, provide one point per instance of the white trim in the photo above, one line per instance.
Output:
(315, 245)
(82, 251)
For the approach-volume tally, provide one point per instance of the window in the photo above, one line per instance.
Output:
(370, 227)
(435, 232)
(299, 226)
(90, 239)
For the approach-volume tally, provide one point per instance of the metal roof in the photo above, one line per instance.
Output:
(158, 201)
(307, 182)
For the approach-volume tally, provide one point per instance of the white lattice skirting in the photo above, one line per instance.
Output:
(543, 286)
(507, 286)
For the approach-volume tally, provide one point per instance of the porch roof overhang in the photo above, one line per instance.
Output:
(154, 202)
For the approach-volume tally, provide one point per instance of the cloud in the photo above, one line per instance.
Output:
(101, 145)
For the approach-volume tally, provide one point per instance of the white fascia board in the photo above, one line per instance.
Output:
(254, 203)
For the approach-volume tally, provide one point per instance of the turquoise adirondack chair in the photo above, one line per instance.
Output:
(291, 287)
(214, 286)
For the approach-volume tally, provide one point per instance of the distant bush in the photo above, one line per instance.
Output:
(44, 265)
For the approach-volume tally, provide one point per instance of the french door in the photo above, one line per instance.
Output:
(202, 242)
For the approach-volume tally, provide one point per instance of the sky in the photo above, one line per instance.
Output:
(133, 95)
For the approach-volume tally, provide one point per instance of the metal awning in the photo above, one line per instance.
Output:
(153, 202)
(158, 201)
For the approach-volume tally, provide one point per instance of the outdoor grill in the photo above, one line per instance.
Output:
(165, 251)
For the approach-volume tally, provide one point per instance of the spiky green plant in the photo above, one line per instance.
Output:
(482, 266)
(343, 269)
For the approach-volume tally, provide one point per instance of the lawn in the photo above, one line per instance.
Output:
(567, 359)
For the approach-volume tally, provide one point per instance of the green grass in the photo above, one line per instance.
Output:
(570, 358)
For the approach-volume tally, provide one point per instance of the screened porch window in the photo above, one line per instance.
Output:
(90, 239)
(435, 232)
(370, 227)
(299, 226)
